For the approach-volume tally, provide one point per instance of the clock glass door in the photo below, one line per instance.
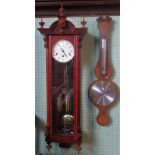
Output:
(63, 86)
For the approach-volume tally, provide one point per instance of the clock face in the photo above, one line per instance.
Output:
(63, 51)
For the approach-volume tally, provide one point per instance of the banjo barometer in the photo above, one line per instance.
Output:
(103, 93)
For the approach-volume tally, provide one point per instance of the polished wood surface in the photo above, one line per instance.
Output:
(48, 8)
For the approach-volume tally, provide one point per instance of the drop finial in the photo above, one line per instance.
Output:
(83, 22)
(41, 23)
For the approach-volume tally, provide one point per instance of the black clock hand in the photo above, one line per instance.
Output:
(62, 51)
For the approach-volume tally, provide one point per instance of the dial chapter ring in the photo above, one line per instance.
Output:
(63, 51)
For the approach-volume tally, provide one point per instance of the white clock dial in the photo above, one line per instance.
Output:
(63, 51)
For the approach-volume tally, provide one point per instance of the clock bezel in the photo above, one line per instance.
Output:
(62, 39)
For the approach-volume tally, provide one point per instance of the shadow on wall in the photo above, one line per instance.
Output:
(39, 125)
(87, 65)
(110, 48)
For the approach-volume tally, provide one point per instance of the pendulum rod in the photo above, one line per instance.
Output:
(66, 82)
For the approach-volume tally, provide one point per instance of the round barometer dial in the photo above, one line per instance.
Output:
(102, 92)
(63, 51)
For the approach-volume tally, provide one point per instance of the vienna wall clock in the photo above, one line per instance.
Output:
(63, 43)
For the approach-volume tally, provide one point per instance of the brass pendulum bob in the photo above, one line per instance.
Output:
(68, 119)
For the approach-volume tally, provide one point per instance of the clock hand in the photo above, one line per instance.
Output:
(63, 51)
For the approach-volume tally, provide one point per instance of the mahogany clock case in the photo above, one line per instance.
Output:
(57, 75)
(63, 81)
